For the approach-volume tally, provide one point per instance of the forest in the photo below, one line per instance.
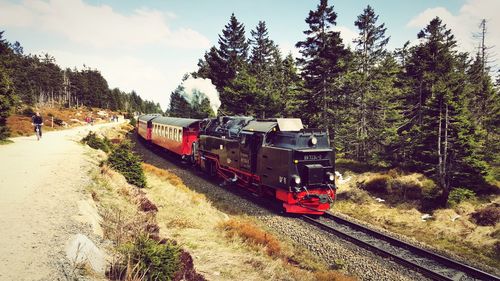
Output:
(34, 80)
(427, 107)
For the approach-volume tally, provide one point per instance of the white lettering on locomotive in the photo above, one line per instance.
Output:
(312, 157)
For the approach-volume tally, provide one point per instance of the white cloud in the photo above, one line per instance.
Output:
(347, 34)
(465, 23)
(287, 47)
(122, 71)
(100, 26)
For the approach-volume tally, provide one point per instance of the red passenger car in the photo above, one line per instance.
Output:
(144, 125)
(175, 134)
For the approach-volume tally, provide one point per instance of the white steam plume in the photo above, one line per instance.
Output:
(203, 86)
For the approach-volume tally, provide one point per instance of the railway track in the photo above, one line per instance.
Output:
(432, 265)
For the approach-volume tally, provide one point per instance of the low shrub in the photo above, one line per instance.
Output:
(133, 122)
(377, 183)
(355, 166)
(489, 215)
(151, 259)
(28, 111)
(58, 121)
(253, 235)
(128, 164)
(458, 195)
(95, 142)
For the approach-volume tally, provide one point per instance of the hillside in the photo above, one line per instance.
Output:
(56, 118)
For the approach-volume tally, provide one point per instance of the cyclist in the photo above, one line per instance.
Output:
(37, 122)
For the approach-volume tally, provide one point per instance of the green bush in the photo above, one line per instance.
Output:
(97, 143)
(153, 260)
(133, 122)
(458, 195)
(128, 164)
(342, 165)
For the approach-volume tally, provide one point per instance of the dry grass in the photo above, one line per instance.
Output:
(175, 181)
(449, 229)
(252, 235)
(223, 247)
(331, 275)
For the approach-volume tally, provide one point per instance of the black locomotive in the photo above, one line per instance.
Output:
(276, 158)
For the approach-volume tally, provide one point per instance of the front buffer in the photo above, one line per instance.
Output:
(314, 202)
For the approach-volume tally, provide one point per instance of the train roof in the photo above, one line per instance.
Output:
(173, 121)
(260, 126)
(148, 117)
(283, 124)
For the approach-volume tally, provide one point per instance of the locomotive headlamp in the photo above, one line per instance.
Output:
(296, 179)
(330, 176)
(313, 141)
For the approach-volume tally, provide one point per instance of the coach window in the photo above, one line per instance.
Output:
(163, 129)
(180, 135)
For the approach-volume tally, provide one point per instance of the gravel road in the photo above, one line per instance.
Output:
(41, 185)
(333, 250)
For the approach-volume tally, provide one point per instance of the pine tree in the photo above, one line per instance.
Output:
(443, 141)
(266, 66)
(7, 100)
(291, 87)
(370, 51)
(323, 62)
(262, 48)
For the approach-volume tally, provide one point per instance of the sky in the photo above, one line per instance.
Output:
(148, 45)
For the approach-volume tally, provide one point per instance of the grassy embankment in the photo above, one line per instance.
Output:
(407, 197)
(223, 246)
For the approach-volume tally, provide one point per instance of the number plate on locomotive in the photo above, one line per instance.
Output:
(312, 157)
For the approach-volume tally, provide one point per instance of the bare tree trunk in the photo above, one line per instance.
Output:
(440, 156)
(445, 160)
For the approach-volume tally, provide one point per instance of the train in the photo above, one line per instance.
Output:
(273, 158)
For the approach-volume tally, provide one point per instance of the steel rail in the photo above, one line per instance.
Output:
(433, 274)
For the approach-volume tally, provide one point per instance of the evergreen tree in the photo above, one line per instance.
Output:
(370, 51)
(323, 62)
(244, 92)
(291, 87)
(266, 66)
(7, 100)
(443, 141)
(262, 48)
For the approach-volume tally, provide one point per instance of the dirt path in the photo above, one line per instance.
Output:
(41, 183)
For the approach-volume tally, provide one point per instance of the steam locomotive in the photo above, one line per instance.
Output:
(276, 158)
